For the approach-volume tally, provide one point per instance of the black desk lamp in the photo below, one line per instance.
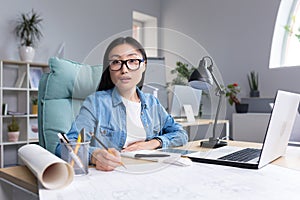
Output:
(202, 79)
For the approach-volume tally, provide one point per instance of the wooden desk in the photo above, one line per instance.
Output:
(21, 176)
(200, 122)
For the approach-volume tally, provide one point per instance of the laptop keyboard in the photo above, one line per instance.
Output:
(243, 155)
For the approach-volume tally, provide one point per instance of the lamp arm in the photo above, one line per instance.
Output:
(221, 90)
(220, 93)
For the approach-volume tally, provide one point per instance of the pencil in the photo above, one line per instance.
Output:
(76, 147)
(105, 147)
(66, 139)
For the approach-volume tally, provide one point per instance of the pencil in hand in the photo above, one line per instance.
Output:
(105, 147)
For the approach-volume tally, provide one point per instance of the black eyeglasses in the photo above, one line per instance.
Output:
(131, 64)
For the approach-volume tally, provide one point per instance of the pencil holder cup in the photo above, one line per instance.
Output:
(77, 155)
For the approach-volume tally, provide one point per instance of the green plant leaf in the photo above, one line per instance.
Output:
(13, 126)
(253, 80)
(28, 28)
(183, 72)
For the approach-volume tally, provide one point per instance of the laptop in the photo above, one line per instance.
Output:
(275, 142)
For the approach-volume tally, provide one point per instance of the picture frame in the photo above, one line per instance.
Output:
(35, 74)
(33, 133)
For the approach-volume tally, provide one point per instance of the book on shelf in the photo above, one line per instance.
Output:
(20, 80)
(16, 113)
(4, 108)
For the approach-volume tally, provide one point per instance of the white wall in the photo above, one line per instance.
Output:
(80, 24)
(237, 34)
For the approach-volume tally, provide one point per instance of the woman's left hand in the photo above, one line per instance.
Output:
(148, 145)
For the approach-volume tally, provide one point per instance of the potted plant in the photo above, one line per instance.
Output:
(232, 91)
(28, 30)
(253, 84)
(13, 130)
(34, 106)
(183, 72)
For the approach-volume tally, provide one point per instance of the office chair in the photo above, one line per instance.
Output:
(60, 95)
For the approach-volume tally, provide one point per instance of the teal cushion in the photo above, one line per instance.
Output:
(61, 92)
(71, 79)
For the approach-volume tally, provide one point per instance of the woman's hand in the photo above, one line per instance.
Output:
(106, 160)
(148, 145)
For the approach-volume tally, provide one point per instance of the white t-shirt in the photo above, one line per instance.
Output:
(135, 128)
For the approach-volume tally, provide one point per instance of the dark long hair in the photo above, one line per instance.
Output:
(106, 82)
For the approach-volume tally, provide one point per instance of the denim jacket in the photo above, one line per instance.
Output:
(104, 114)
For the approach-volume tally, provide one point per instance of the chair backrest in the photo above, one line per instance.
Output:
(61, 93)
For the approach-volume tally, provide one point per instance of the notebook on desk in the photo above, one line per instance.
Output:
(276, 138)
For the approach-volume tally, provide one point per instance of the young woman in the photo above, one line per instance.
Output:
(120, 114)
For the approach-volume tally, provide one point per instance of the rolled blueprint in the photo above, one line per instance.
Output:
(51, 171)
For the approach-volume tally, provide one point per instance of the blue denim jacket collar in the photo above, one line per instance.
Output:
(117, 99)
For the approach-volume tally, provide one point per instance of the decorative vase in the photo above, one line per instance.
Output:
(241, 108)
(27, 53)
(13, 136)
(34, 109)
(254, 93)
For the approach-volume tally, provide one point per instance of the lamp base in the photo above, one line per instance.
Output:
(213, 143)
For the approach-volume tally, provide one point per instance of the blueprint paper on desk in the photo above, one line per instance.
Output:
(199, 181)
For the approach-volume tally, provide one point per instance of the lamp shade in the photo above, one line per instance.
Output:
(201, 78)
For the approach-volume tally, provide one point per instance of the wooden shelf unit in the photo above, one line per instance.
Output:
(16, 92)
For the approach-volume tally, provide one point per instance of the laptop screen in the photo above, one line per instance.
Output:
(280, 126)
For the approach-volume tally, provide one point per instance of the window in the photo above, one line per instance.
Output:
(137, 31)
(292, 42)
(144, 29)
(286, 44)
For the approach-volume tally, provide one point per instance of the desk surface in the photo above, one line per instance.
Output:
(200, 121)
(21, 175)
